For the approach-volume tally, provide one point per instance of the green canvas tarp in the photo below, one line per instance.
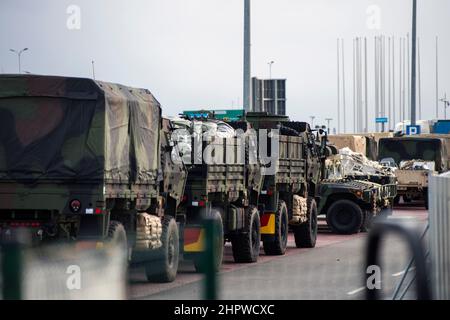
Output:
(78, 129)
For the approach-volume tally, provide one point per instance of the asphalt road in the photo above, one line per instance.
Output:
(331, 270)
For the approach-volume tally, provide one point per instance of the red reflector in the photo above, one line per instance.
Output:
(201, 203)
(98, 211)
(265, 220)
(270, 192)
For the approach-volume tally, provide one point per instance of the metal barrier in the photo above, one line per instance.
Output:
(439, 205)
(414, 241)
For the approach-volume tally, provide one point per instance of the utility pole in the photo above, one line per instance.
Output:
(437, 79)
(414, 65)
(19, 55)
(270, 69)
(343, 87)
(393, 82)
(93, 69)
(376, 82)
(446, 104)
(312, 121)
(247, 57)
(338, 87)
(328, 120)
(419, 78)
(365, 87)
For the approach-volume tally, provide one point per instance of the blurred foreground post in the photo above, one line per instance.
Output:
(209, 259)
(12, 265)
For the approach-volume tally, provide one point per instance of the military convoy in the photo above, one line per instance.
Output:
(97, 164)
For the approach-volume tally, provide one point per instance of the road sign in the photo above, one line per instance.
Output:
(412, 130)
(381, 120)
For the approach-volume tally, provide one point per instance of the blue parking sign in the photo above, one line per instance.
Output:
(412, 130)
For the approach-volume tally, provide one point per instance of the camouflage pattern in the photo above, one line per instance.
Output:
(64, 139)
(362, 192)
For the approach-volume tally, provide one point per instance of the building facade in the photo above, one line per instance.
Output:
(269, 95)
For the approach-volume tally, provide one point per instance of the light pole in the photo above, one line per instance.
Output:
(312, 121)
(413, 66)
(328, 120)
(270, 69)
(446, 104)
(93, 69)
(19, 54)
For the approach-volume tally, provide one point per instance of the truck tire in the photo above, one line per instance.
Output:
(367, 221)
(165, 267)
(218, 245)
(306, 234)
(246, 244)
(344, 217)
(117, 236)
(407, 199)
(278, 245)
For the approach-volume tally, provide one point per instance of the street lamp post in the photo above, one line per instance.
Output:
(270, 69)
(19, 54)
(446, 105)
(328, 120)
(312, 121)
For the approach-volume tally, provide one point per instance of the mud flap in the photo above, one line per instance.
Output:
(93, 227)
(194, 240)
(267, 226)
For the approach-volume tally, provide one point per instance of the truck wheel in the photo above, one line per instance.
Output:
(218, 245)
(165, 268)
(117, 236)
(367, 221)
(344, 217)
(306, 234)
(277, 246)
(246, 244)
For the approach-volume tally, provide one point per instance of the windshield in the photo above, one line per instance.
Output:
(410, 149)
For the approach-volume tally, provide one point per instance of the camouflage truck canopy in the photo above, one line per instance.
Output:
(414, 148)
(59, 128)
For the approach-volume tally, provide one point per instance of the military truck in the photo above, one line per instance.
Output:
(414, 158)
(288, 193)
(220, 185)
(90, 162)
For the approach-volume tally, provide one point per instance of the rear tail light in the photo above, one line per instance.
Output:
(75, 206)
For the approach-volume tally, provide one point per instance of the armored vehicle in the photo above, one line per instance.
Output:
(354, 190)
(89, 162)
(415, 158)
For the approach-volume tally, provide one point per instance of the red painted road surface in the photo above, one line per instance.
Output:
(139, 288)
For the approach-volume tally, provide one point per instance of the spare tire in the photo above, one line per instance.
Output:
(345, 217)
(306, 233)
(165, 268)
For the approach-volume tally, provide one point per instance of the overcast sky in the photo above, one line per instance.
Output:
(189, 52)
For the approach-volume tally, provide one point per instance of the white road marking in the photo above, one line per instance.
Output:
(402, 272)
(350, 293)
